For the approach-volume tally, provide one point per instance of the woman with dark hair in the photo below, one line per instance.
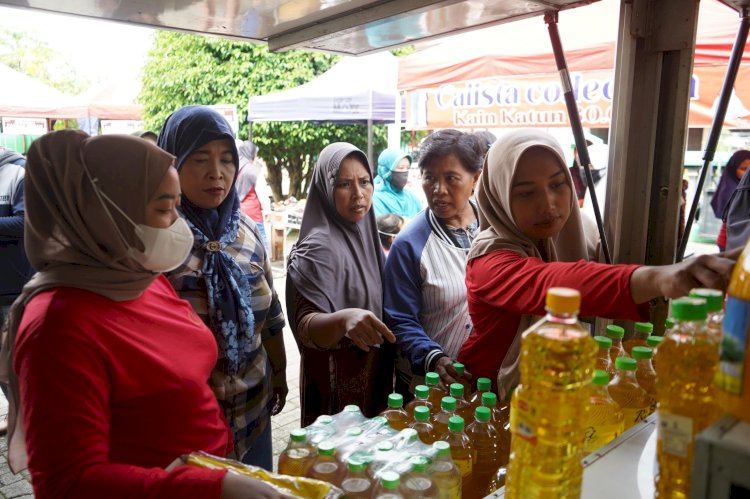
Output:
(425, 294)
(730, 178)
(389, 226)
(334, 291)
(228, 280)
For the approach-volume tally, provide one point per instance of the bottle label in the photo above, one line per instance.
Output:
(733, 345)
(633, 416)
(525, 419)
(675, 433)
(464, 466)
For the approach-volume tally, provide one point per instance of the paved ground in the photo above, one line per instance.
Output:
(19, 486)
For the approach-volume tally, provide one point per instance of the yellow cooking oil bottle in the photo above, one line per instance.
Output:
(421, 397)
(436, 392)
(556, 366)
(645, 373)
(629, 395)
(616, 334)
(298, 457)
(444, 472)
(462, 449)
(395, 414)
(604, 421)
(733, 378)
(687, 363)
(715, 306)
(641, 332)
(603, 361)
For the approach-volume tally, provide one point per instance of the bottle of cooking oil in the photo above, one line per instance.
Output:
(356, 484)
(389, 486)
(298, 457)
(687, 360)
(461, 449)
(417, 484)
(444, 472)
(629, 395)
(501, 423)
(395, 414)
(653, 342)
(421, 397)
(641, 332)
(604, 421)
(441, 418)
(421, 424)
(483, 385)
(432, 380)
(461, 371)
(603, 361)
(463, 408)
(645, 373)
(326, 467)
(556, 366)
(616, 334)
(715, 306)
(486, 443)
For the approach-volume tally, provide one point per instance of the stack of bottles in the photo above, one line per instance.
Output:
(556, 368)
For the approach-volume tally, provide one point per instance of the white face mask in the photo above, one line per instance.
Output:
(164, 249)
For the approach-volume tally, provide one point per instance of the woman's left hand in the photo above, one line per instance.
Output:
(279, 391)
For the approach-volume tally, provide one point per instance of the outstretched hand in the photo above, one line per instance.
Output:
(365, 329)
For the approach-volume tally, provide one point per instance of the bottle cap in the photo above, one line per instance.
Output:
(355, 465)
(601, 377)
(625, 363)
(326, 448)
(457, 390)
(422, 391)
(385, 446)
(448, 404)
(563, 300)
(669, 324)
(354, 431)
(460, 368)
(603, 342)
(419, 463)
(299, 435)
(432, 379)
(390, 480)
(644, 327)
(443, 448)
(614, 331)
(456, 423)
(422, 413)
(714, 298)
(379, 421)
(484, 384)
(395, 401)
(642, 353)
(482, 413)
(324, 419)
(689, 309)
(352, 408)
(653, 340)
(489, 399)
(409, 434)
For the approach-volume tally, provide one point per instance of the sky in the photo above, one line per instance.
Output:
(98, 50)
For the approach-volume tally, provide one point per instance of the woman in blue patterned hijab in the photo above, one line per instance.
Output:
(228, 280)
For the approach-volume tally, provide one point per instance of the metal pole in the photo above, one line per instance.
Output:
(575, 123)
(721, 110)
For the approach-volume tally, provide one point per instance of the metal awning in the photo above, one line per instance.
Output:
(345, 27)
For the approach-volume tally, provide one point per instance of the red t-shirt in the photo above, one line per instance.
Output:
(251, 206)
(503, 285)
(113, 392)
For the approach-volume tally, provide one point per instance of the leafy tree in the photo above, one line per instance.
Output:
(28, 55)
(184, 69)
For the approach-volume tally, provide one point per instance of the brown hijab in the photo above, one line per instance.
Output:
(70, 240)
(499, 231)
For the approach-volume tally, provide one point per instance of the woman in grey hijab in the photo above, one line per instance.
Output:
(335, 291)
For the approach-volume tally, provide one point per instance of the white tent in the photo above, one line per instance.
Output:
(355, 90)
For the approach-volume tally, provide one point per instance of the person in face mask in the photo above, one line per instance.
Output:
(228, 280)
(103, 360)
(390, 195)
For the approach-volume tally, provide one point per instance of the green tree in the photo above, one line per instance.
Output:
(184, 69)
(28, 55)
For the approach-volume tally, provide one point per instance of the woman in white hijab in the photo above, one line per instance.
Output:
(532, 238)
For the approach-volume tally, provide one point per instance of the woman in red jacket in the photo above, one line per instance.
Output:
(532, 238)
(107, 367)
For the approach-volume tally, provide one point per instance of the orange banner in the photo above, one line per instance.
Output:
(538, 101)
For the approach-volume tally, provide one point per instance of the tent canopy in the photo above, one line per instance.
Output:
(113, 100)
(355, 90)
(26, 97)
(505, 76)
